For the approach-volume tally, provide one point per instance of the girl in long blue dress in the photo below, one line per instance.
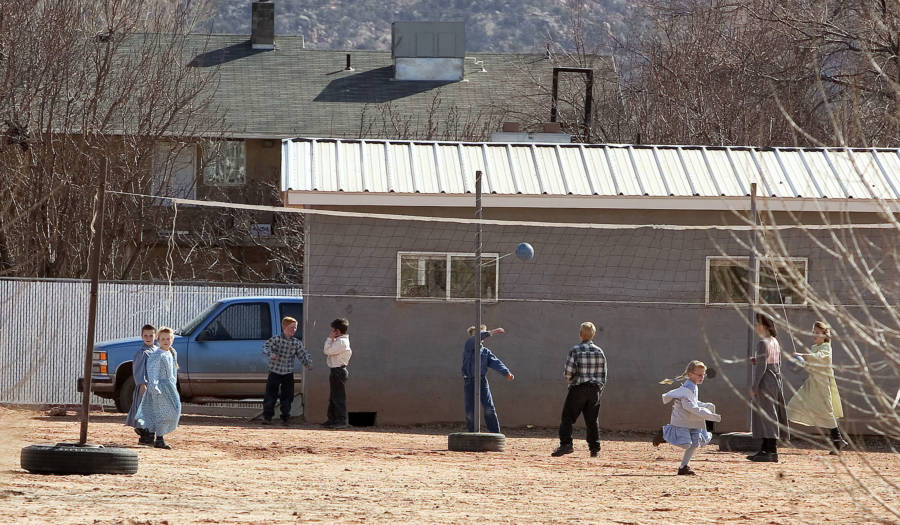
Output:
(160, 408)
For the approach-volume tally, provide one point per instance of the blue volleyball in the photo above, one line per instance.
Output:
(524, 251)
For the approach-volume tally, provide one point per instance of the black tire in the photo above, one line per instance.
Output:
(125, 394)
(476, 442)
(64, 458)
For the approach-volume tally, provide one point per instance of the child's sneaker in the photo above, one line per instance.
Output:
(686, 471)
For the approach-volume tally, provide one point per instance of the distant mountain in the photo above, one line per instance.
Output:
(491, 25)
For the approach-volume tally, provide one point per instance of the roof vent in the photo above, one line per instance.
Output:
(429, 51)
(262, 26)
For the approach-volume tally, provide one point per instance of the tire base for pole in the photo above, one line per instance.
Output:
(738, 442)
(476, 442)
(69, 458)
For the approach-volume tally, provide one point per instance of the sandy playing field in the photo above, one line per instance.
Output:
(224, 470)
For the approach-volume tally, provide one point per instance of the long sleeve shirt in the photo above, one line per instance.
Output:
(586, 364)
(488, 359)
(282, 351)
(687, 409)
(139, 364)
(337, 351)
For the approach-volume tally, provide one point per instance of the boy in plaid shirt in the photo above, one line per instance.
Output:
(282, 349)
(586, 374)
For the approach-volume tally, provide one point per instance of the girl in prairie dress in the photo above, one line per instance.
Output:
(687, 427)
(160, 408)
(817, 403)
(768, 419)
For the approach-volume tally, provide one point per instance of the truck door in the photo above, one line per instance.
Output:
(226, 358)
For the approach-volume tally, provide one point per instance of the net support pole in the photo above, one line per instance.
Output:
(96, 248)
(751, 298)
(477, 356)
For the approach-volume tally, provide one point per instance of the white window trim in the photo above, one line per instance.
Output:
(447, 298)
(745, 259)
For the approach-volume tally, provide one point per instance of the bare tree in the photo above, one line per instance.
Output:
(83, 85)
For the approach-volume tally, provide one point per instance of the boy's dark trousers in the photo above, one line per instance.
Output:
(275, 383)
(583, 399)
(337, 402)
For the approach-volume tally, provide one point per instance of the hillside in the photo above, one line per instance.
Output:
(491, 25)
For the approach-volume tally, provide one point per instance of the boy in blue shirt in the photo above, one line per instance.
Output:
(488, 360)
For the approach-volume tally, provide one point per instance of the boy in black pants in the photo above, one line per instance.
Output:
(586, 374)
(282, 349)
(337, 354)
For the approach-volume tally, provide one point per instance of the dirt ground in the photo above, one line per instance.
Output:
(225, 470)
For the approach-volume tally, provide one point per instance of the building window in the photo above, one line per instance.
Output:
(445, 276)
(225, 163)
(174, 169)
(780, 280)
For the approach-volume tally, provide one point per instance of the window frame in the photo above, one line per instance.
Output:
(449, 278)
(211, 156)
(759, 261)
(266, 328)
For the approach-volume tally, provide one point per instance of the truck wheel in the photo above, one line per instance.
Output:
(125, 395)
(68, 458)
(476, 442)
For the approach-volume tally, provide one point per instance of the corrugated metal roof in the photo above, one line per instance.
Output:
(416, 167)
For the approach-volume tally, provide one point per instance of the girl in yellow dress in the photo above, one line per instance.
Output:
(817, 403)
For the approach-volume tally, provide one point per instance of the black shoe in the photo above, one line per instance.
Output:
(139, 431)
(838, 446)
(146, 439)
(328, 424)
(159, 443)
(658, 438)
(686, 471)
(265, 422)
(594, 453)
(760, 453)
(765, 457)
(338, 425)
(562, 450)
(285, 422)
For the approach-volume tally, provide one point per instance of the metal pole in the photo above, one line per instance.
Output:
(477, 356)
(752, 298)
(96, 248)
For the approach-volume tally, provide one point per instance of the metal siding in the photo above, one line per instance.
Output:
(497, 170)
(850, 174)
(620, 163)
(572, 167)
(803, 183)
(678, 183)
(474, 161)
(350, 169)
(723, 172)
(601, 178)
(422, 159)
(523, 168)
(645, 163)
(41, 362)
(890, 161)
(699, 174)
(824, 175)
(400, 170)
(768, 162)
(585, 169)
(376, 172)
(447, 157)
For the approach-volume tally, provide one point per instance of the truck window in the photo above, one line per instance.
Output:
(294, 310)
(241, 321)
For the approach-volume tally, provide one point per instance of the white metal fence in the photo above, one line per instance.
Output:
(43, 327)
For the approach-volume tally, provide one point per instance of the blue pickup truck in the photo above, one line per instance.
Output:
(219, 352)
